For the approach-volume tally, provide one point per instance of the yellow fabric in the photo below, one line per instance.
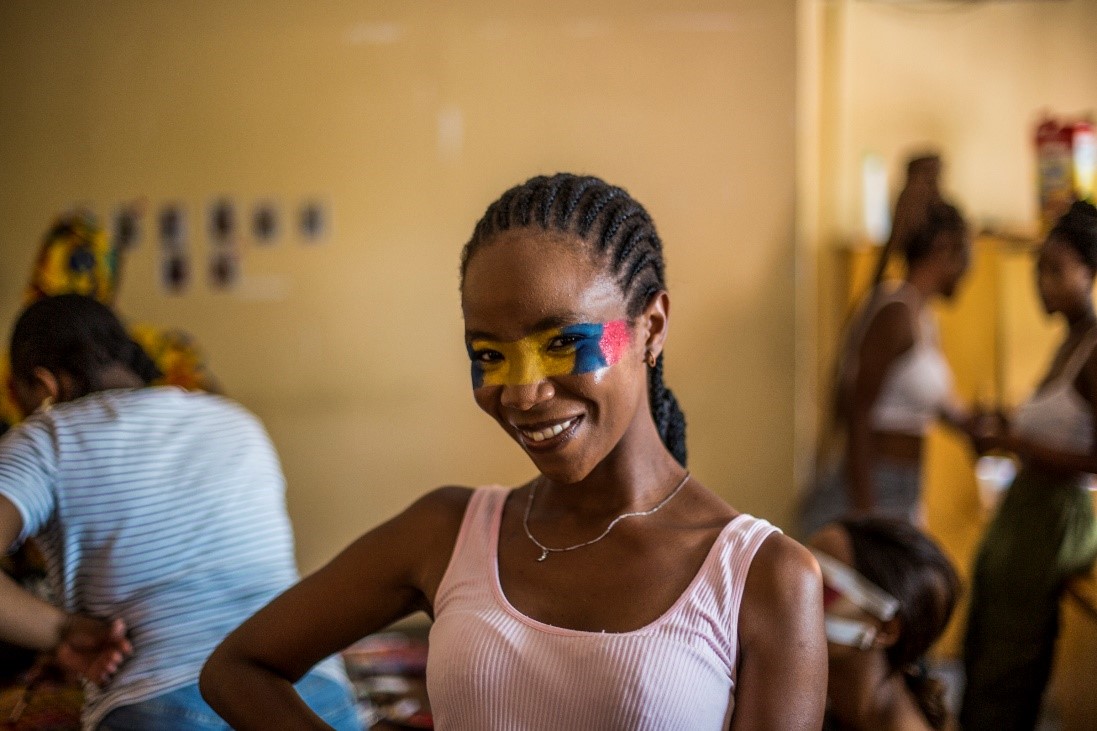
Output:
(77, 257)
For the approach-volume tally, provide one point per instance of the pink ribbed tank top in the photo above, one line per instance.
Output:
(491, 667)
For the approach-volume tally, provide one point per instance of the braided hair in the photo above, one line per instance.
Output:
(77, 335)
(1078, 229)
(907, 564)
(619, 234)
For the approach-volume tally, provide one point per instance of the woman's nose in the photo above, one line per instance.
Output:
(524, 397)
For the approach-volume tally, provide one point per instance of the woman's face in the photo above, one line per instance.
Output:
(555, 359)
(956, 248)
(1063, 279)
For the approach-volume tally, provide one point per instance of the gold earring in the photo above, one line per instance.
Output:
(46, 405)
(650, 359)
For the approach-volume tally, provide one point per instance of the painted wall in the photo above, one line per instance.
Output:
(408, 119)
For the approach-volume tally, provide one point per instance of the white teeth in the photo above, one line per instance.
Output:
(542, 435)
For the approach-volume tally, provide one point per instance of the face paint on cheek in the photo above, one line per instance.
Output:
(571, 350)
(477, 369)
(601, 345)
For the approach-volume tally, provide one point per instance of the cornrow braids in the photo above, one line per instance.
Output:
(620, 235)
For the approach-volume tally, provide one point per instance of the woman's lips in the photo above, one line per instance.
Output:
(548, 435)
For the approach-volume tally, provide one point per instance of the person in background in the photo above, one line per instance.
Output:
(161, 514)
(888, 594)
(611, 591)
(920, 193)
(893, 383)
(77, 257)
(1044, 532)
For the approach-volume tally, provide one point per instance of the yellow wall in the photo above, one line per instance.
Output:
(408, 118)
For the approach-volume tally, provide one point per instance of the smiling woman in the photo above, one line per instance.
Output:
(611, 591)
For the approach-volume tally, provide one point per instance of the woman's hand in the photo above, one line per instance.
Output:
(92, 648)
(991, 431)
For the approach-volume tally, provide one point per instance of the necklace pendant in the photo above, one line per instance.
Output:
(543, 556)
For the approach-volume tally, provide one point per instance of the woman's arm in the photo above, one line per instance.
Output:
(92, 648)
(783, 649)
(889, 335)
(388, 573)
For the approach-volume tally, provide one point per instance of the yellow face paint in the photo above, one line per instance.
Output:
(558, 351)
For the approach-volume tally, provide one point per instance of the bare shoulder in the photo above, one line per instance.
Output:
(441, 505)
(892, 325)
(428, 530)
(434, 519)
(783, 583)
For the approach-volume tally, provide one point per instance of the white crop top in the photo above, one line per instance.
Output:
(918, 383)
(1057, 416)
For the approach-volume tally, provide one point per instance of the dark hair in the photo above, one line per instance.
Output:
(905, 563)
(1078, 228)
(922, 161)
(619, 234)
(941, 218)
(77, 335)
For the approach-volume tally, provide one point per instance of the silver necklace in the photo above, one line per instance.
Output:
(546, 550)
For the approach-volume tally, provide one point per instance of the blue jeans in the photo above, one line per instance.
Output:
(185, 710)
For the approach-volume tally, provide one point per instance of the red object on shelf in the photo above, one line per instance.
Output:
(1066, 164)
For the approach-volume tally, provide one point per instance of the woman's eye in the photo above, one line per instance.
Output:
(487, 356)
(564, 342)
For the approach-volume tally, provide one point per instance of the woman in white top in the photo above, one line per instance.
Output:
(612, 590)
(1044, 532)
(893, 382)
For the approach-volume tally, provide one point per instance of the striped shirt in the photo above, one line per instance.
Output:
(159, 506)
(492, 667)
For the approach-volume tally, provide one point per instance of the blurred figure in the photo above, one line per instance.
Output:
(920, 193)
(893, 383)
(888, 595)
(1044, 531)
(160, 508)
(77, 257)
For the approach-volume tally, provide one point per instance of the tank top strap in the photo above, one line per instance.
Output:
(474, 549)
(739, 542)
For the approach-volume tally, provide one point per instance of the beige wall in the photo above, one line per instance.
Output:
(970, 80)
(409, 118)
